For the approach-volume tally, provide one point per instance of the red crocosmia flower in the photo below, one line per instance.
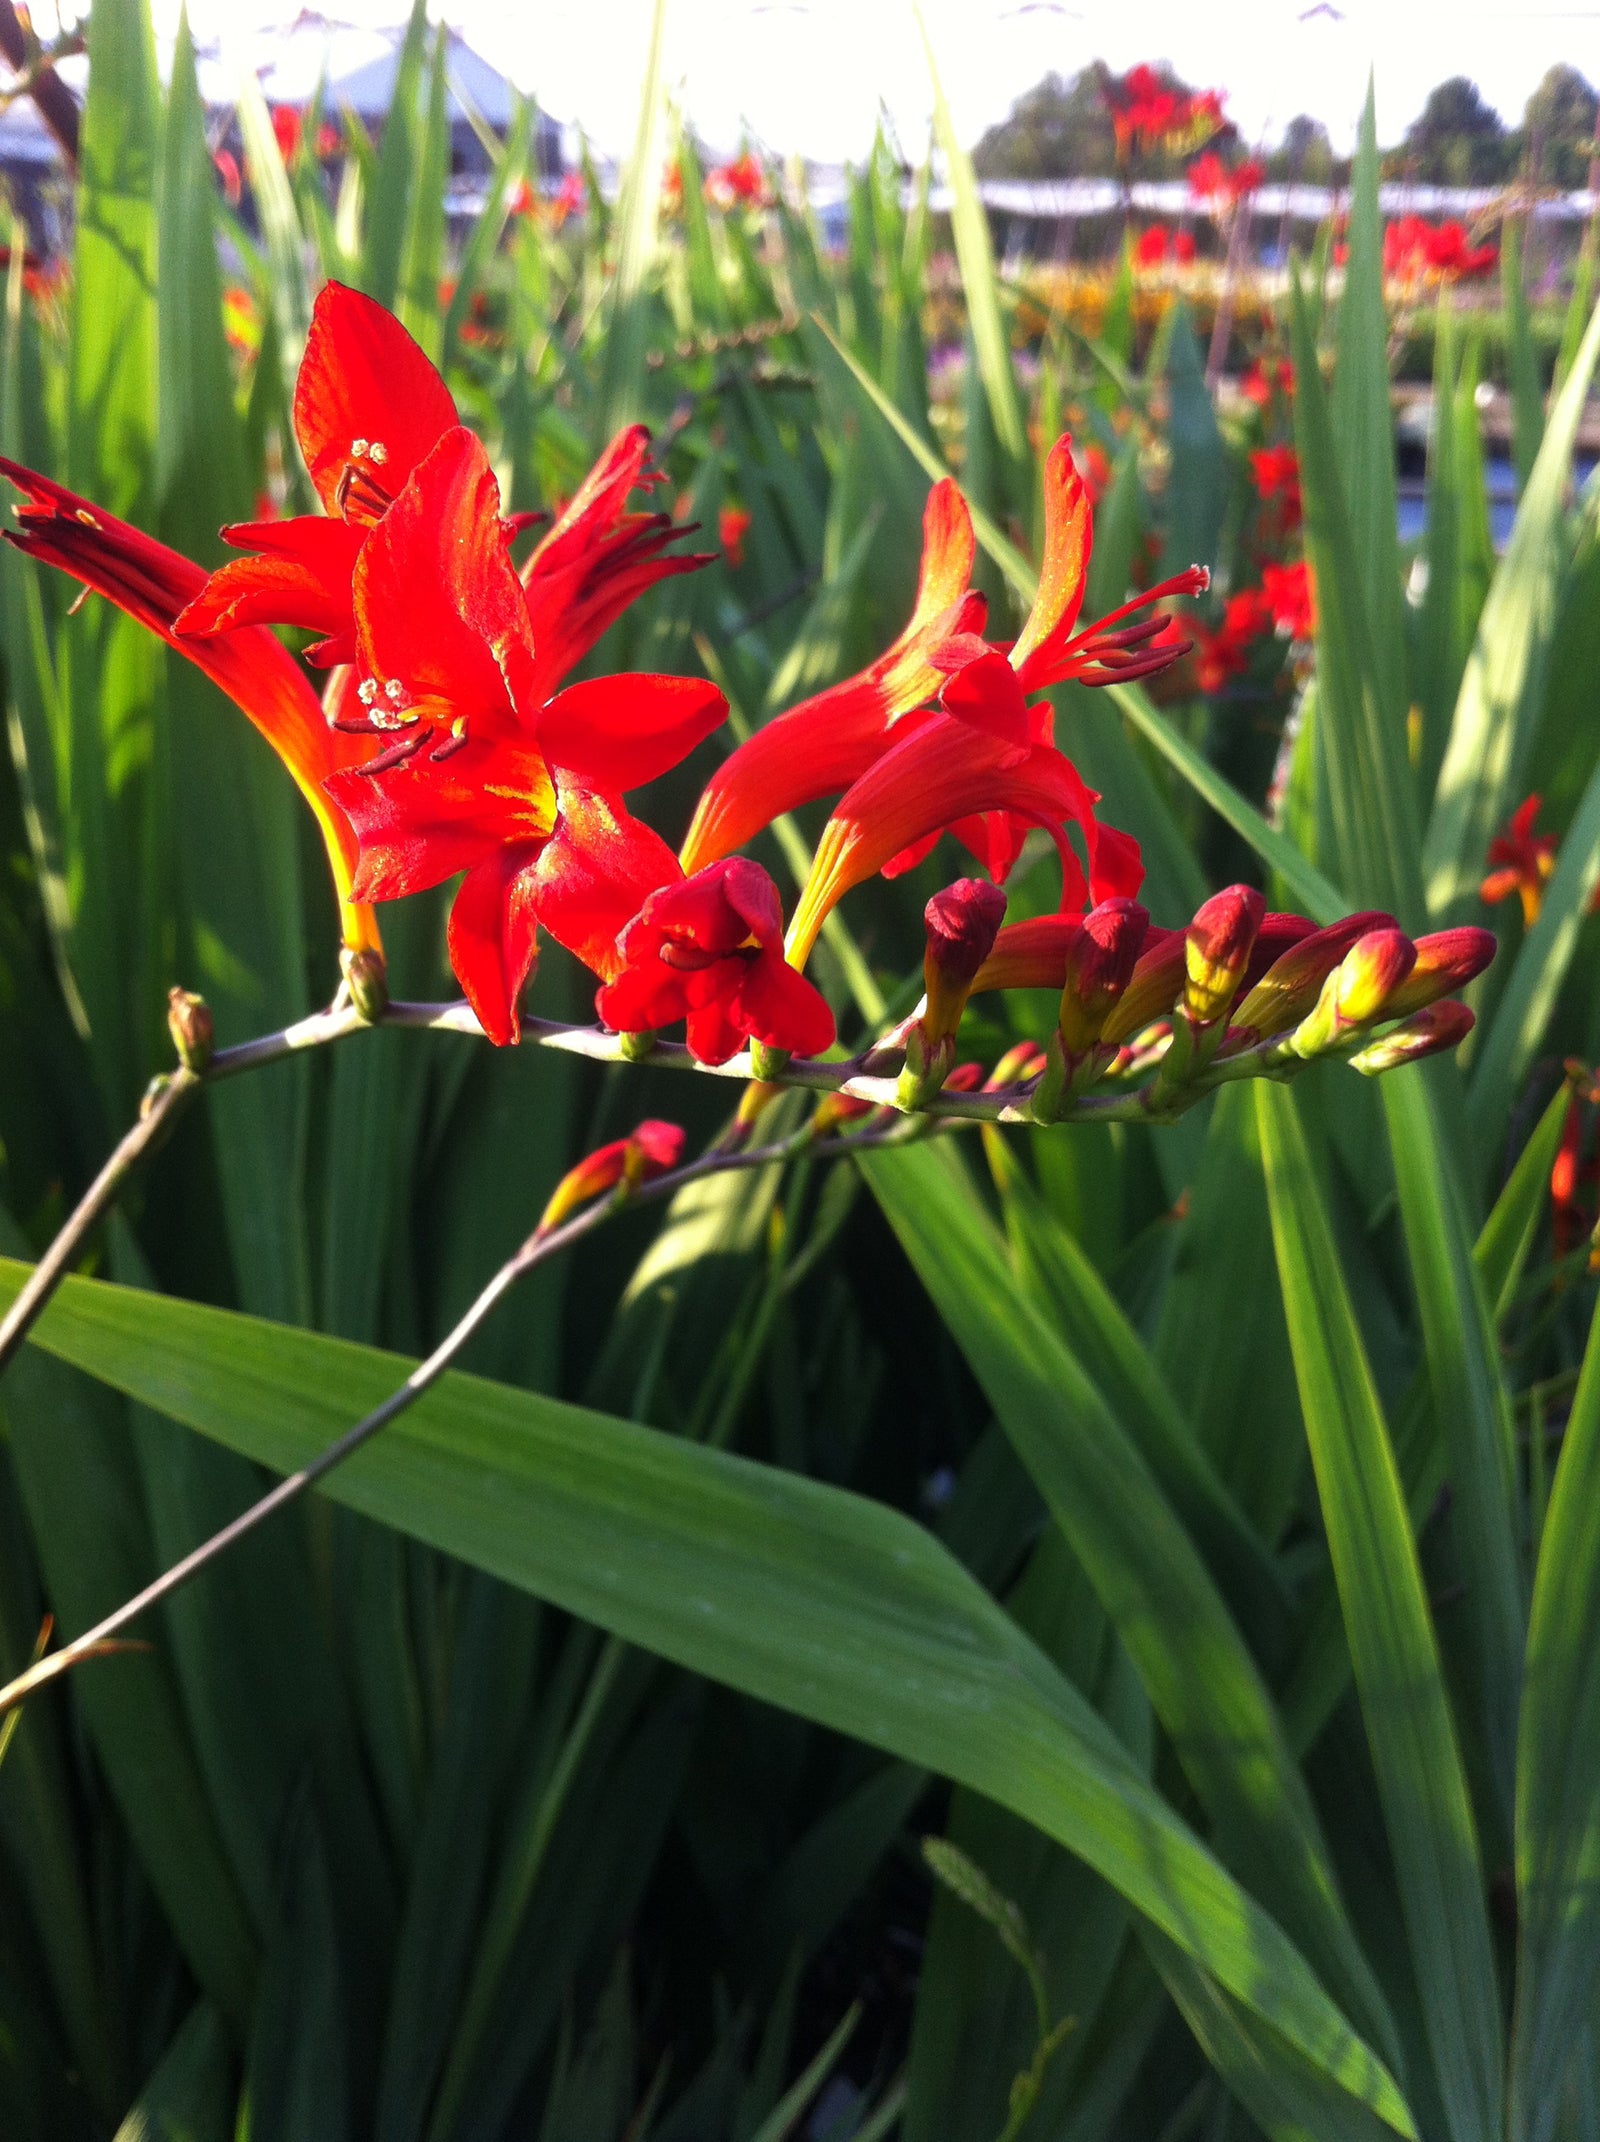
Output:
(742, 183)
(330, 142)
(1225, 650)
(598, 557)
(1276, 474)
(976, 772)
(819, 747)
(1183, 249)
(733, 525)
(367, 406)
(1150, 247)
(710, 950)
(1265, 378)
(1049, 650)
(1524, 862)
(227, 169)
(1571, 1213)
(287, 127)
(1289, 594)
(484, 773)
(153, 584)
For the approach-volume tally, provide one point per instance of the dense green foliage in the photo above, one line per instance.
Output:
(1193, 1527)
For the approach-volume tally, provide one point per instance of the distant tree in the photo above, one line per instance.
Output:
(1062, 129)
(1558, 125)
(1057, 129)
(1305, 154)
(1458, 139)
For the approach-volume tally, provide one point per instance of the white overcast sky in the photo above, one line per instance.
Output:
(809, 75)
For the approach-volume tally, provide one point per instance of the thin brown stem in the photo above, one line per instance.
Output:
(533, 1252)
(162, 1106)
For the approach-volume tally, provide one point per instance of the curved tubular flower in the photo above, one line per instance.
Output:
(598, 558)
(654, 1148)
(946, 771)
(1048, 650)
(819, 747)
(1035, 954)
(484, 775)
(710, 950)
(153, 584)
(368, 405)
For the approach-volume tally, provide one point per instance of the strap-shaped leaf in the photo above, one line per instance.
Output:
(1558, 1811)
(1200, 1677)
(1409, 1728)
(798, 1593)
(1501, 693)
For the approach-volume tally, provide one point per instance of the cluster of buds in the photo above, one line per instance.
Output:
(1161, 1017)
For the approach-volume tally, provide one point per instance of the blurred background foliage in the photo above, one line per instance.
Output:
(1192, 1529)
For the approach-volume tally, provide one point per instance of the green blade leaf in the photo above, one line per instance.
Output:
(1360, 730)
(1363, 425)
(638, 213)
(1558, 1818)
(1409, 1727)
(1200, 1677)
(798, 1593)
(969, 225)
(1473, 1412)
(1501, 694)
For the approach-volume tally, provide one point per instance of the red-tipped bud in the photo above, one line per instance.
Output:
(963, 922)
(1370, 973)
(1425, 1033)
(1446, 961)
(1100, 964)
(965, 1078)
(1289, 988)
(1218, 945)
(189, 1024)
(624, 1164)
(1019, 1066)
(834, 1111)
(1157, 980)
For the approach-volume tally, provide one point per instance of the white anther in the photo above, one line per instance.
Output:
(378, 453)
(358, 448)
(366, 691)
(394, 690)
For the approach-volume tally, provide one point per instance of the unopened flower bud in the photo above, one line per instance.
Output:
(1358, 993)
(1218, 944)
(621, 1166)
(1151, 994)
(1289, 988)
(1100, 964)
(1425, 1033)
(834, 1111)
(929, 1062)
(1370, 973)
(189, 1024)
(367, 981)
(1446, 961)
(1019, 1066)
(963, 922)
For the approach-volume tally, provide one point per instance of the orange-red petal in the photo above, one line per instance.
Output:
(620, 732)
(364, 380)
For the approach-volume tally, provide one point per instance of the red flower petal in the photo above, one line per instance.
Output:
(819, 747)
(620, 732)
(594, 874)
(1068, 541)
(493, 939)
(421, 822)
(300, 576)
(439, 612)
(154, 585)
(774, 1004)
(363, 378)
